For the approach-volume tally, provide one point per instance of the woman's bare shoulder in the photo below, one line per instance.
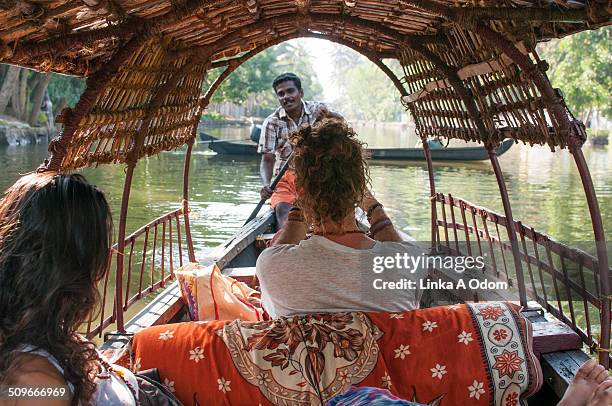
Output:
(33, 370)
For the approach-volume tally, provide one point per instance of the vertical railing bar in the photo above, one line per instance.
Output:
(90, 318)
(585, 304)
(163, 258)
(501, 248)
(555, 284)
(129, 275)
(537, 255)
(144, 261)
(152, 281)
(170, 248)
(476, 231)
(484, 217)
(465, 227)
(105, 289)
(452, 210)
(437, 232)
(596, 274)
(178, 237)
(443, 205)
(526, 252)
(568, 291)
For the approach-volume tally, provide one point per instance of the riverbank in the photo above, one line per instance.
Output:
(14, 133)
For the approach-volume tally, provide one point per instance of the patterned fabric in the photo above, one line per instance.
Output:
(504, 348)
(477, 354)
(277, 126)
(368, 396)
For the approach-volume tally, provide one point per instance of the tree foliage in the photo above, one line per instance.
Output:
(68, 87)
(253, 79)
(366, 93)
(581, 66)
(22, 92)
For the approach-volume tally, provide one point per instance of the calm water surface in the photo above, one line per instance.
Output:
(544, 187)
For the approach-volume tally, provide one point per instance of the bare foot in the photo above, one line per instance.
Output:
(602, 395)
(584, 384)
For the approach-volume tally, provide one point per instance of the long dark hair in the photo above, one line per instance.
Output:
(55, 235)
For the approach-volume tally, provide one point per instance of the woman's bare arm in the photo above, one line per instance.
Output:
(293, 231)
(377, 217)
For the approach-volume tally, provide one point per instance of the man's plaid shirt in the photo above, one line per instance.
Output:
(277, 126)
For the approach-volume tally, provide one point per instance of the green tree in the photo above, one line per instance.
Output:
(581, 66)
(366, 93)
(68, 88)
(293, 56)
(253, 79)
(254, 76)
(22, 92)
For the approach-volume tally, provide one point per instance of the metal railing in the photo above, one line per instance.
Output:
(564, 280)
(152, 253)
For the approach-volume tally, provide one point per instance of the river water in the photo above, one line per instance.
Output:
(544, 187)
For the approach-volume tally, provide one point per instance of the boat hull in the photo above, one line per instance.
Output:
(409, 154)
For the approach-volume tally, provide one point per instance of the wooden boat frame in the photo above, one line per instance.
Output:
(469, 73)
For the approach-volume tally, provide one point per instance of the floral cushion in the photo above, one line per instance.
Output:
(477, 354)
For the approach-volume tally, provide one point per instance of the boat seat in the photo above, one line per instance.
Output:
(554, 336)
(243, 274)
(473, 354)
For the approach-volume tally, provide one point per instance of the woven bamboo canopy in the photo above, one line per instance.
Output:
(470, 68)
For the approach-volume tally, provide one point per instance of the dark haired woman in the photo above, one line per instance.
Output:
(339, 268)
(55, 235)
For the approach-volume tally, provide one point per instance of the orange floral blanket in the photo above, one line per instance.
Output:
(477, 354)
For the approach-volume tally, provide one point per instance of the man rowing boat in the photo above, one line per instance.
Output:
(274, 145)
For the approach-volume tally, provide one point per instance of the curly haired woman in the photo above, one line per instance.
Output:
(55, 236)
(335, 269)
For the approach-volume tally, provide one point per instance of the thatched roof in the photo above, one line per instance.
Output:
(79, 36)
(146, 60)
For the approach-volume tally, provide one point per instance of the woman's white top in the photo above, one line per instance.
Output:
(112, 391)
(319, 275)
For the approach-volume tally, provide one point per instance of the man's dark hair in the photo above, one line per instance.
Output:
(284, 77)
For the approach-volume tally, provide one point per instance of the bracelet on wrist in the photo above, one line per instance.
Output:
(379, 226)
(295, 215)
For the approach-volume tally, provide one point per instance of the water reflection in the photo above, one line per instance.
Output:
(544, 188)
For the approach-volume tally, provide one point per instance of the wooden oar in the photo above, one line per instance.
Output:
(272, 186)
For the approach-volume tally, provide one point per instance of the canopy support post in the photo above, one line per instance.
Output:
(232, 65)
(472, 109)
(600, 245)
(503, 191)
(190, 250)
(426, 151)
(432, 196)
(125, 198)
(575, 140)
(132, 158)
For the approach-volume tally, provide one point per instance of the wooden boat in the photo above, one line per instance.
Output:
(559, 346)
(470, 72)
(410, 154)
